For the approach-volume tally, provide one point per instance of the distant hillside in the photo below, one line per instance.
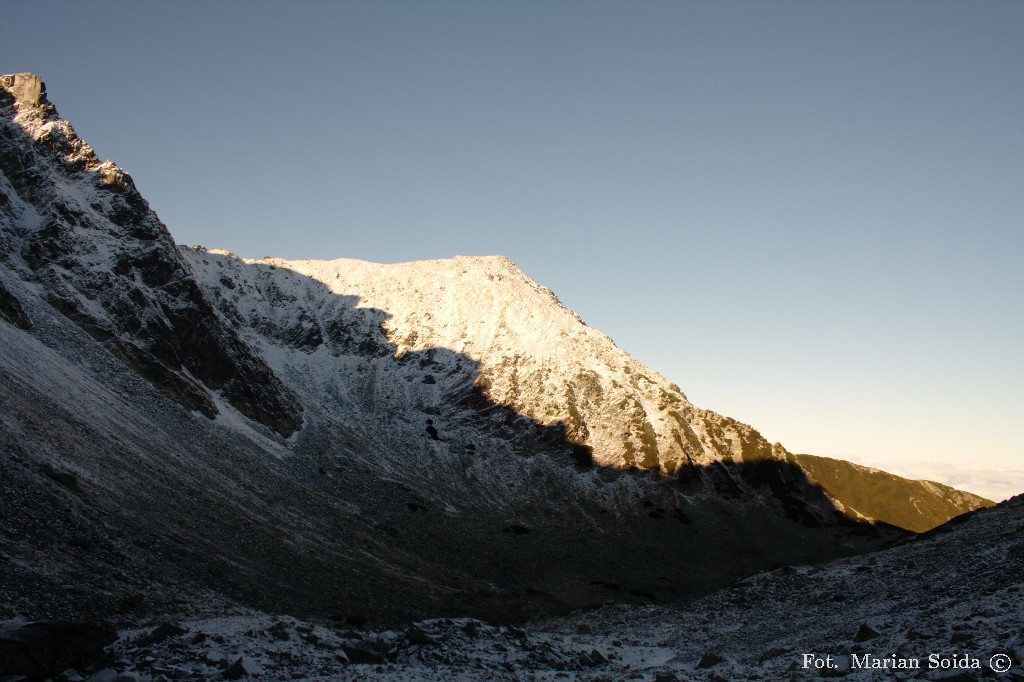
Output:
(917, 506)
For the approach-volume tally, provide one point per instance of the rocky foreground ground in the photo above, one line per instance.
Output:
(950, 602)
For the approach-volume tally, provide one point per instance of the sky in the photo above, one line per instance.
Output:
(807, 214)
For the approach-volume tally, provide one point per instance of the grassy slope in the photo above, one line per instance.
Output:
(914, 505)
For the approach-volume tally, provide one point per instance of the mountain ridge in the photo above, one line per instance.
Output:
(373, 441)
(870, 492)
(379, 285)
(505, 330)
(118, 241)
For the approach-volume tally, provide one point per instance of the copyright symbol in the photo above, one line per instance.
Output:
(1000, 663)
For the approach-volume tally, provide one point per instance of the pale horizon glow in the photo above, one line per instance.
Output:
(807, 215)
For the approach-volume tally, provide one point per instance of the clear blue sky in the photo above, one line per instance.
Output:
(809, 215)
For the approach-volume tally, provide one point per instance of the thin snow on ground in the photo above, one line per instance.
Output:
(951, 603)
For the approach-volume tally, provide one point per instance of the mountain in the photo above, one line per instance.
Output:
(185, 429)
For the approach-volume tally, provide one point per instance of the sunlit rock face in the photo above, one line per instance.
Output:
(362, 441)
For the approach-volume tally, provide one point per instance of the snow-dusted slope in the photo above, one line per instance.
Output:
(480, 322)
(531, 353)
(507, 334)
(79, 232)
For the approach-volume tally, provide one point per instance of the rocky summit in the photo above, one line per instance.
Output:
(187, 432)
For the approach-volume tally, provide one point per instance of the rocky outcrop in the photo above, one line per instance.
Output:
(11, 310)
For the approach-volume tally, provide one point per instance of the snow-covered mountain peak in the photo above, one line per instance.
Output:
(349, 439)
(521, 345)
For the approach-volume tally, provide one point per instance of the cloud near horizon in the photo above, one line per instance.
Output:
(994, 483)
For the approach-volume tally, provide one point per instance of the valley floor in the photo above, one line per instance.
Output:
(947, 605)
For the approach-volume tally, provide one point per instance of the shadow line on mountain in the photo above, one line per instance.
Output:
(688, 533)
(345, 327)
